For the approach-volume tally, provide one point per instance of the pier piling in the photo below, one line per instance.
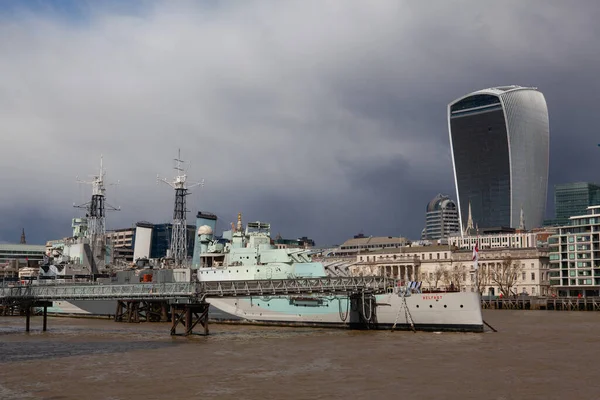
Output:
(189, 315)
(27, 317)
(45, 323)
(141, 311)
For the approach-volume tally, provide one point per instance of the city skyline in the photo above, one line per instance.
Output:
(324, 119)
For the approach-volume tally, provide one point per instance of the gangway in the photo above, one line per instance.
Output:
(190, 298)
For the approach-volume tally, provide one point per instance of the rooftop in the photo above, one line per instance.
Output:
(374, 240)
(415, 249)
(494, 91)
(22, 247)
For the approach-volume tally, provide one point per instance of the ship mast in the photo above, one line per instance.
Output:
(96, 207)
(179, 235)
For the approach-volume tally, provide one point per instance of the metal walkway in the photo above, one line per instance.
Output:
(194, 292)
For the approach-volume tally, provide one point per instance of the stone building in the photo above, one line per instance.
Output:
(443, 267)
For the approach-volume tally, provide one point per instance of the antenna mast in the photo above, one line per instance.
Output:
(179, 235)
(96, 207)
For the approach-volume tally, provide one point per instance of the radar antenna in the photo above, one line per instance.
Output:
(96, 208)
(179, 235)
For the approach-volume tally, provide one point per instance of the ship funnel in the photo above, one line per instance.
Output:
(205, 235)
(204, 220)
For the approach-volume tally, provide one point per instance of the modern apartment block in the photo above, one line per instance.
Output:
(121, 237)
(499, 140)
(441, 218)
(573, 199)
(575, 255)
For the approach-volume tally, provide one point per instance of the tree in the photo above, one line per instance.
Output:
(433, 278)
(482, 278)
(506, 274)
(456, 276)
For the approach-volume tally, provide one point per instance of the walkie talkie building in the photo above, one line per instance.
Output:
(499, 139)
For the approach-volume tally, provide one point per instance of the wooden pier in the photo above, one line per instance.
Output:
(142, 311)
(189, 315)
(26, 308)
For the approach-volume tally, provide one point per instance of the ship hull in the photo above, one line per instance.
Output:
(441, 312)
(424, 312)
(83, 308)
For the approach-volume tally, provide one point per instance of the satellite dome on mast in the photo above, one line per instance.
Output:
(205, 230)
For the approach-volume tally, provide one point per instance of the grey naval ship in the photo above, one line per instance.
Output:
(250, 255)
(244, 255)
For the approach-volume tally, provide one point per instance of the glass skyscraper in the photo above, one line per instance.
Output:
(573, 199)
(499, 139)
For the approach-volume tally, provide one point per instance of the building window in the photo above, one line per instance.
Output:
(523, 276)
(445, 256)
(430, 257)
(533, 291)
(438, 255)
(533, 276)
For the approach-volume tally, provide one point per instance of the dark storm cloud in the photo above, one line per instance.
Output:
(323, 118)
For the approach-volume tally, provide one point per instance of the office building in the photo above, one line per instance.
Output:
(499, 240)
(301, 243)
(499, 140)
(441, 218)
(154, 240)
(573, 199)
(361, 243)
(22, 252)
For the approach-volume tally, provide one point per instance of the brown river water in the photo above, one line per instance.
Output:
(534, 355)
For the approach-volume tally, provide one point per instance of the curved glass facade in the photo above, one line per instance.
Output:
(441, 218)
(499, 140)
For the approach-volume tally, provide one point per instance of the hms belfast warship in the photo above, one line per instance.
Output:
(250, 255)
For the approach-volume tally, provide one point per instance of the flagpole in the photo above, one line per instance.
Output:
(476, 264)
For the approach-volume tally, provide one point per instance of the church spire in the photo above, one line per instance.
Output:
(522, 220)
(470, 228)
(23, 241)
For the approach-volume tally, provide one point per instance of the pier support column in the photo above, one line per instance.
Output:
(27, 316)
(120, 311)
(188, 321)
(164, 317)
(45, 323)
(173, 321)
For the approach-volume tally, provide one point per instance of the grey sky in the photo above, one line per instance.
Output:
(323, 117)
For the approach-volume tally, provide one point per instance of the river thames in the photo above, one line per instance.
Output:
(535, 355)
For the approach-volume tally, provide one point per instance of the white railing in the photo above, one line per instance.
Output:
(196, 290)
